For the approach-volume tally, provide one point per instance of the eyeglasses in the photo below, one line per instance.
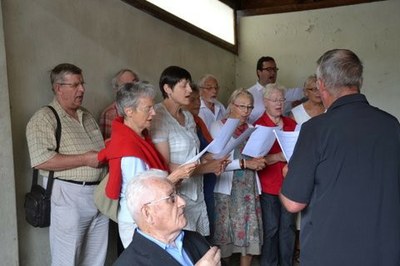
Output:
(73, 85)
(270, 69)
(313, 89)
(146, 109)
(243, 107)
(276, 100)
(173, 196)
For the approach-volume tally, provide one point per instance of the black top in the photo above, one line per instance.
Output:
(346, 167)
(143, 252)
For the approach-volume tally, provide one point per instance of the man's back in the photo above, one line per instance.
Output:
(351, 182)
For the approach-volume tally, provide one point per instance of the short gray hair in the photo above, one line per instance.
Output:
(273, 87)
(129, 94)
(139, 189)
(340, 68)
(203, 80)
(309, 79)
(115, 80)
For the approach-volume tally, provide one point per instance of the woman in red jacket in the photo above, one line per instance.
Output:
(278, 224)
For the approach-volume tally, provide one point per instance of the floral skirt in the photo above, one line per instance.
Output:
(238, 220)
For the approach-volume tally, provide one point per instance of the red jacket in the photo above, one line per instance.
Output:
(271, 177)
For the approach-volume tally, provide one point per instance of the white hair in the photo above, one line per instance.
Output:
(139, 189)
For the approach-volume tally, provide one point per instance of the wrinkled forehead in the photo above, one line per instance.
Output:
(160, 186)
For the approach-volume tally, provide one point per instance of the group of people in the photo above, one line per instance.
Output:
(176, 213)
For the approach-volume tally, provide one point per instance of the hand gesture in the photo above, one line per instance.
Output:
(256, 164)
(183, 171)
(90, 159)
(211, 258)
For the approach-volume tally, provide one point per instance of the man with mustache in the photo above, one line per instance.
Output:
(78, 231)
(211, 109)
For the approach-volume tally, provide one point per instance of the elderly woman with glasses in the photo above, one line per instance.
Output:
(130, 150)
(313, 106)
(238, 225)
(278, 224)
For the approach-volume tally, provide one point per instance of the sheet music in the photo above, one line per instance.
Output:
(231, 145)
(260, 142)
(220, 141)
(287, 140)
(197, 157)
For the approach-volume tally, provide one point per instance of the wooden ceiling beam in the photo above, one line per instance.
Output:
(263, 7)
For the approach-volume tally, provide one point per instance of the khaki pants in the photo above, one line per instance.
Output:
(78, 231)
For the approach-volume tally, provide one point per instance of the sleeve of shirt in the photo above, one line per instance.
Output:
(298, 184)
(40, 135)
(159, 129)
(294, 94)
(131, 167)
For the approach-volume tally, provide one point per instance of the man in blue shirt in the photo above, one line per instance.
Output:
(159, 240)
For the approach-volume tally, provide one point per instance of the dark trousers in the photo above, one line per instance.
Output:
(209, 184)
(279, 232)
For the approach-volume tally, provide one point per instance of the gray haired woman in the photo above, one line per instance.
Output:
(130, 150)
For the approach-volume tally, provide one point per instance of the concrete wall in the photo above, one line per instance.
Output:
(101, 37)
(8, 216)
(296, 40)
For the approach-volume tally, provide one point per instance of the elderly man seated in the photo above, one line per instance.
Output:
(159, 239)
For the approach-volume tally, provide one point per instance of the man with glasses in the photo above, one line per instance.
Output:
(78, 231)
(122, 77)
(267, 73)
(159, 239)
(211, 109)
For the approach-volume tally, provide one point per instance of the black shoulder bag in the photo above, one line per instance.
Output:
(37, 201)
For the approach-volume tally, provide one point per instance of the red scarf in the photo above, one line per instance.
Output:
(126, 142)
(203, 128)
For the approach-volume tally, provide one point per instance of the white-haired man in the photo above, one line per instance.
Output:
(159, 239)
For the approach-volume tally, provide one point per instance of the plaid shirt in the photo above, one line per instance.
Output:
(77, 137)
(106, 118)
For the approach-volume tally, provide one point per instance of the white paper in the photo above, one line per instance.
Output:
(197, 157)
(287, 140)
(260, 142)
(220, 141)
(233, 143)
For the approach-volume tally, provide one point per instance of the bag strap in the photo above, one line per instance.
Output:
(51, 173)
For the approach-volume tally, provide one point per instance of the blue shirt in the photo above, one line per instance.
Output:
(175, 249)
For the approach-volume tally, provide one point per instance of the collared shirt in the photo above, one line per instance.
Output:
(106, 118)
(183, 144)
(77, 137)
(210, 117)
(346, 168)
(176, 250)
(257, 91)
